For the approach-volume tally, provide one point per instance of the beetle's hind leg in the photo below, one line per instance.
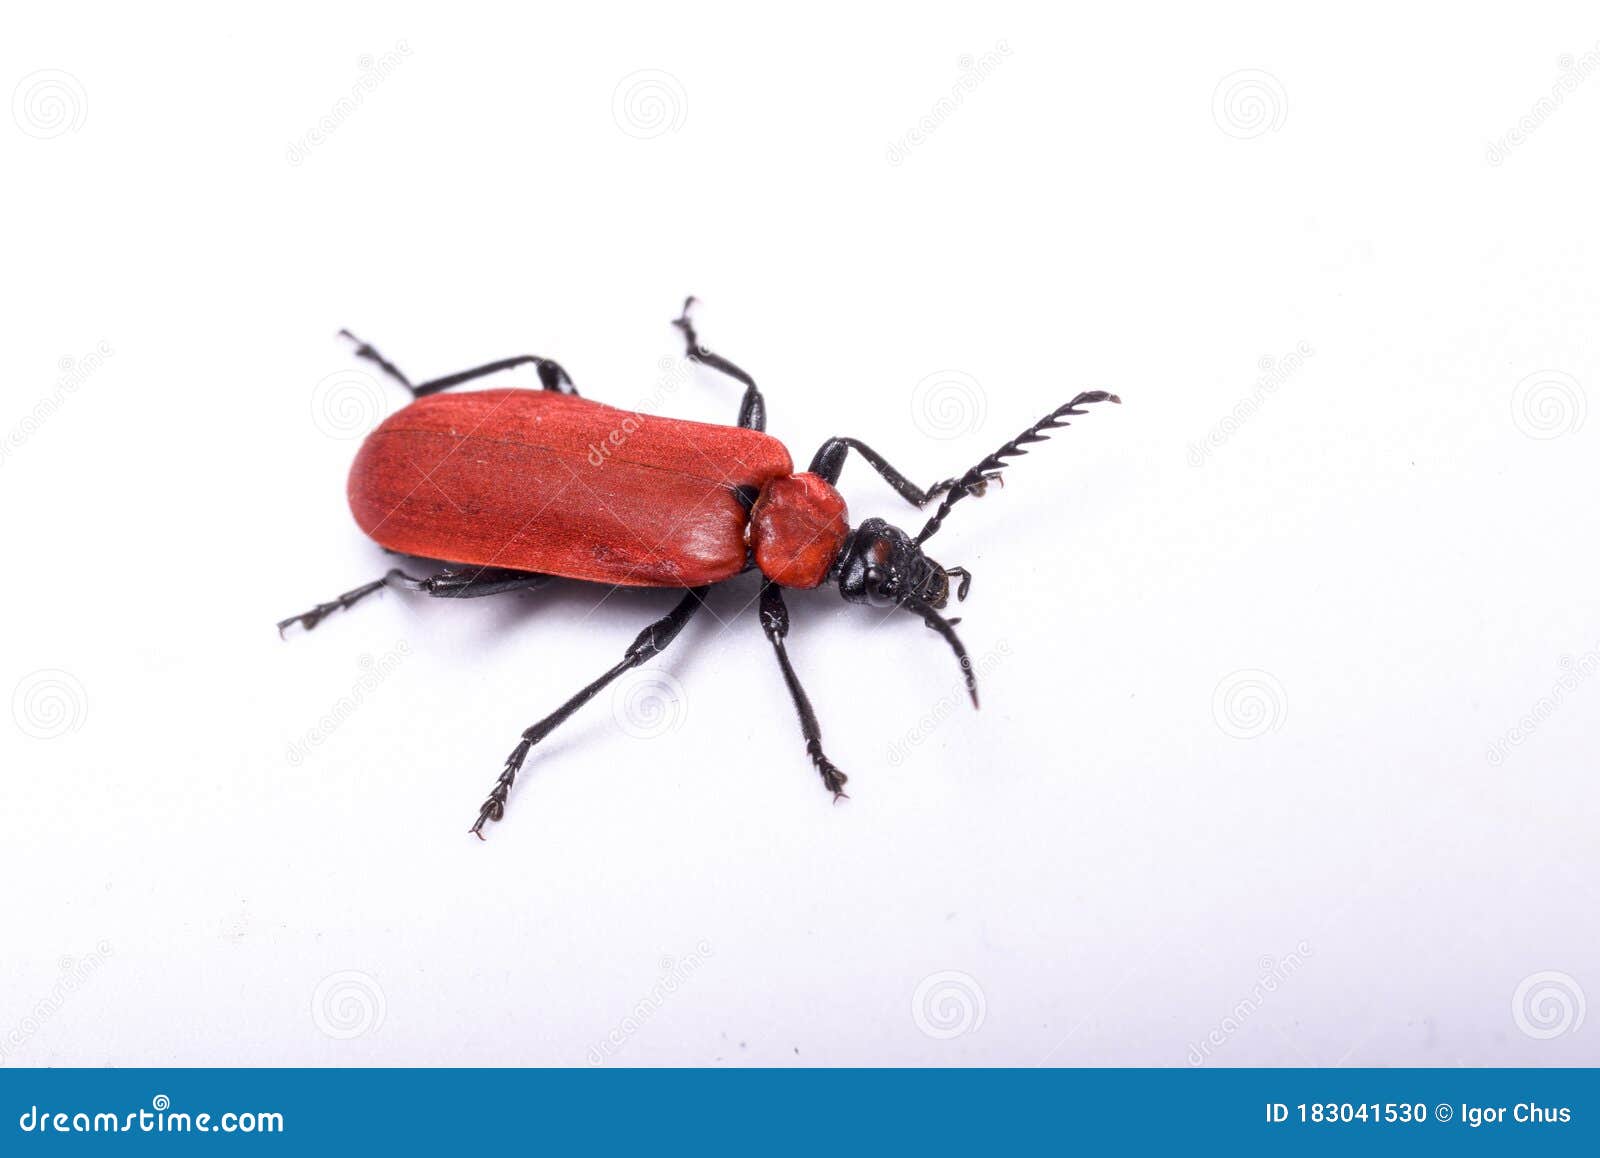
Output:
(650, 642)
(551, 374)
(449, 583)
(753, 407)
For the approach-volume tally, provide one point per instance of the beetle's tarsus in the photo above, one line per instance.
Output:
(494, 808)
(307, 620)
(976, 489)
(833, 779)
(683, 323)
(752, 407)
(310, 619)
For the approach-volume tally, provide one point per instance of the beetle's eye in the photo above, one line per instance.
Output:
(879, 586)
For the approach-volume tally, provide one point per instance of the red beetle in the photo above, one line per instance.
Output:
(511, 488)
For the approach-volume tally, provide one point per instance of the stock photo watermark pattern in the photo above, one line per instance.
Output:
(49, 703)
(1574, 671)
(1272, 974)
(1249, 703)
(949, 1004)
(349, 1004)
(974, 70)
(1548, 1005)
(649, 103)
(949, 704)
(374, 673)
(1549, 404)
(76, 972)
(49, 103)
(674, 372)
(374, 70)
(649, 703)
(1249, 103)
(674, 975)
(948, 404)
(73, 373)
(1274, 372)
(1573, 71)
(347, 404)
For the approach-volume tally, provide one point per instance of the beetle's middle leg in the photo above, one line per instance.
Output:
(460, 582)
(753, 407)
(551, 374)
(650, 642)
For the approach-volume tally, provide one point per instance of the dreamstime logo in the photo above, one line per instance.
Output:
(1573, 672)
(373, 674)
(674, 373)
(1272, 973)
(948, 404)
(949, 1004)
(675, 973)
(75, 974)
(648, 704)
(1548, 1005)
(347, 404)
(1249, 103)
(945, 706)
(374, 71)
(1548, 403)
(1249, 703)
(1574, 71)
(74, 372)
(649, 103)
(349, 1004)
(49, 103)
(49, 703)
(974, 71)
(1274, 372)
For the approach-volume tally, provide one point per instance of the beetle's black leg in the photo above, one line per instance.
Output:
(775, 622)
(651, 641)
(551, 375)
(450, 583)
(829, 461)
(753, 408)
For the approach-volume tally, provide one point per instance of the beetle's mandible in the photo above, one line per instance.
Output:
(508, 489)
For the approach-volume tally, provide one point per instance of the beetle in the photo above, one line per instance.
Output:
(509, 488)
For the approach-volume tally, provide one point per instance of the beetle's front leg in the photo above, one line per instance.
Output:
(828, 462)
(775, 622)
(650, 642)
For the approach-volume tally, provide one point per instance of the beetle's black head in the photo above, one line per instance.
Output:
(883, 566)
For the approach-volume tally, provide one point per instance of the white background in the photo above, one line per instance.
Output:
(1395, 543)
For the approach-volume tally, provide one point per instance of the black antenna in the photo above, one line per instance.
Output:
(939, 623)
(975, 477)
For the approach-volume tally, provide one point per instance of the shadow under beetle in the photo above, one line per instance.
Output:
(511, 488)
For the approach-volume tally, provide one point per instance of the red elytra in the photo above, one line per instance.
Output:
(555, 483)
